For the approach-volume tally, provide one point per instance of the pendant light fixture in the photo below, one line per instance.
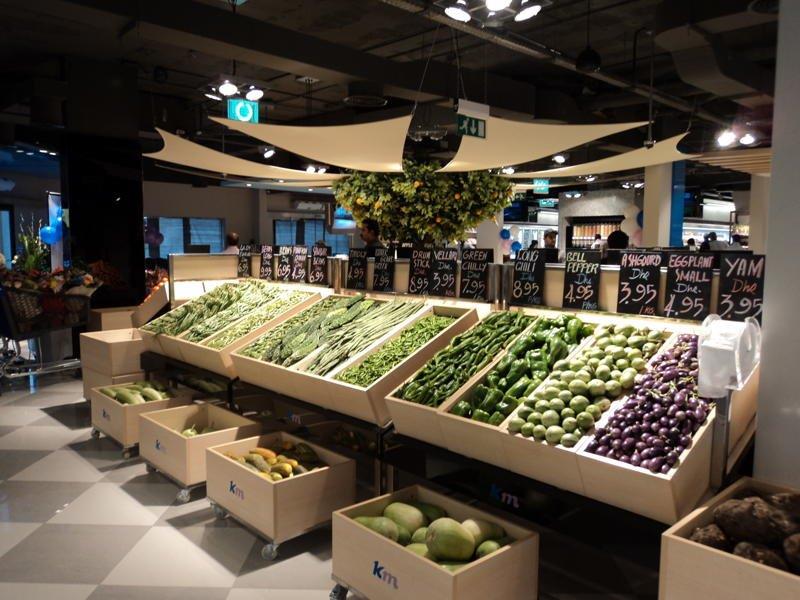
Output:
(588, 60)
(458, 11)
(496, 5)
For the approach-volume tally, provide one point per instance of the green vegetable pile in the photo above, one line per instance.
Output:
(195, 311)
(526, 364)
(193, 432)
(138, 392)
(391, 354)
(579, 391)
(469, 352)
(260, 317)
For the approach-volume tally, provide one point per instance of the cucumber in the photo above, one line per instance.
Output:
(110, 392)
(151, 395)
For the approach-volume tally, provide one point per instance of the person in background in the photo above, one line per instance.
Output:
(713, 244)
(736, 242)
(534, 245)
(231, 243)
(618, 240)
(691, 246)
(370, 235)
(550, 238)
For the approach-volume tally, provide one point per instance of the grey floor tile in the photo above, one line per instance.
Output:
(109, 504)
(104, 453)
(40, 438)
(44, 591)
(70, 554)
(12, 534)
(17, 416)
(14, 461)
(260, 594)
(4, 429)
(61, 465)
(125, 592)
(130, 471)
(77, 415)
(36, 501)
(197, 513)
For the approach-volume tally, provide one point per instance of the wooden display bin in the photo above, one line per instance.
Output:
(120, 422)
(104, 319)
(152, 341)
(113, 352)
(170, 346)
(692, 571)
(183, 459)
(279, 510)
(93, 379)
(379, 568)
(744, 407)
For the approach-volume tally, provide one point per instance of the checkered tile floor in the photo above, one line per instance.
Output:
(77, 521)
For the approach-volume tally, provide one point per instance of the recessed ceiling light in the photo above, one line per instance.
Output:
(508, 170)
(211, 96)
(269, 152)
(726, 138)
(322, 169)
(29, 153)
(748, 139)
(527, 12)
(20, 150)
(53, 153)
(249, 184)
(560, 159)
(254, 94)
(42, 151)
(310, 189)
(280, 180)
(310, 169)
(590, 178)
(228, 88)
(458, 11)
(495, 5)
(638, 184)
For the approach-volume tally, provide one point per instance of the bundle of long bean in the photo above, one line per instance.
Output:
(262, 315)
(469, 352)
(195, 311)
(352, 338)
(395, 351)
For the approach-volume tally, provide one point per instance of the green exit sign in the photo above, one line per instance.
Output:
(541, 186)
(471, 126)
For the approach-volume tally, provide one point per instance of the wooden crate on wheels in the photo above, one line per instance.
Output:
(278, 510)
(93, 379)
(378, 568)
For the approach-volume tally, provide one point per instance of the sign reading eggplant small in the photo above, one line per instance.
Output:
(319, 265)
(741, 286)
(284, 263)
(639, 282)
(443, 273)
(419, 276)
(357, 269)
(475, 272)
(383, 271)
(528, 283)
(266, 262)
(688, 294)
(582, 280)
(243, 267)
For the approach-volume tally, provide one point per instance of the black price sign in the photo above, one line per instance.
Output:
(299, 256)
(582, 280)
(319, 265)
(266, 262)
(420, 273)
(383, 273)
(688, 293)
(357, 269)
(741, 286)
(527, 286)
(639, 282)
(243, 268)
(475, 272)
(443, 273)
(284, 263)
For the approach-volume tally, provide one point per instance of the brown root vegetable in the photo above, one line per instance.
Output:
(787, 501)
(791, 549)
(711, 535)
(754, 520)
(760, 554)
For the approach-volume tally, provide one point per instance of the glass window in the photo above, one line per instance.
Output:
(206, 232)
(6, 238)
(172, 230)
(285, 231)
(178, 235)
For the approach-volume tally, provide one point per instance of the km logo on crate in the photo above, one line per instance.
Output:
(236, 490)
(381, 573)
(105, 415)
(160, 447)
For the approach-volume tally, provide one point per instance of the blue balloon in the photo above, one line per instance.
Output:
(516, 247)
(505, 234)
(640, 219)
(48, 235)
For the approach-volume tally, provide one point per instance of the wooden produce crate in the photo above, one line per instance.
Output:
(183, 459)
(93, 379)
(369, 404)
(692, 571)
(379, 568)
(279, 510)
(219, 361)
(120, 422)
(170, 346)
(152, 341)
(104, 319)
(743, 410)
(113, 352)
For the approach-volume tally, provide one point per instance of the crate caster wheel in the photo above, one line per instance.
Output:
(269, 551)
(338, 593)
(95, 433)
(126, 454)
(183, 496)
(150, 468)
(219, 512)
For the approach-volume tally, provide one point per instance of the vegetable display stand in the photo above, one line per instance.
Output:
(380, 568)
(94, 379)
(113, 352)
(278, 510)
(152, 341)
(120, 421)
(743, 409)
(694, 571)
(183, 459)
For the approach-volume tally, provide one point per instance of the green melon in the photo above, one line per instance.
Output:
(419, 535)
(420, 549)
(406, 515)
(431, 511)
(381, 525)
(487, 548)
(448, 540)
(483, 530)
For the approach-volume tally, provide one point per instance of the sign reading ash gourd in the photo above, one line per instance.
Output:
(741, 286)
(688, 286)
(582, 280)
(528, 284)
(474, 272)
(639, 282)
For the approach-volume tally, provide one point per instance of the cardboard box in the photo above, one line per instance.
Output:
(184, 459)
(692, 571)
(377, 567)
(113, 352)
(93, 379)
(102, 319)
(121, 421)
(279, 510)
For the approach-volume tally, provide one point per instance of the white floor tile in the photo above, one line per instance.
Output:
(19, 415)
(261, 594)
(61, 465)
(45, 591)
(40, 438)
(108, 504)
(12, 534)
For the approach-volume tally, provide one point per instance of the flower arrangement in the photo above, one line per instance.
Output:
(34, 254)
(420, 205)
(54, 282)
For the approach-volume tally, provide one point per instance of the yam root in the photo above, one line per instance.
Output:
(711, 535)
(791, 549)
(754, 520)
(786, 501)
(760, 554)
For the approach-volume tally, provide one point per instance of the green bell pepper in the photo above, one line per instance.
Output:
(574, 329)
(492, 379)
(504, 364)
(518, 368)
(479, 394)
(518, 389)
(535, 383)
(481, 415)
(462, 409)
(497, 419)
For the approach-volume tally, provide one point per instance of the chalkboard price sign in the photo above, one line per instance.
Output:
(420, 274)
(319, 265)
(475, 272)
(443, 273)
(741, 286)
(284, 263)
(527, 286)
(266, 262)
(688, 294)
(639, 282)
(243, 268)
(357, 269)
(383, 274)
(299, 256)
(582, 280)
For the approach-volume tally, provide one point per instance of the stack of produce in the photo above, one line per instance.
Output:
(656, 423)
(469, 352)
(577, 392)
(527, 363)
(138, 392)
(426, 530)
(195, 311)
(279, 463)
(204, 384)
(765, 530)
(191, 432)
(392, 353)
(254, 293)
(260, 317)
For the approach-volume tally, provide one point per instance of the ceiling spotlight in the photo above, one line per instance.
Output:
(310, 189)
(249, 184)
(576, 194)
(527, 12)
(254, 94)
(29, 153)
(626, 185)
(211, 96)
(310, 169)
(588, 60)
(228, 88)
(559, 159)
(458, 11)
(20, 150)
(280, 180)
(726, 138)
(322, 170)
(748, 139)
(508, 170)
(53, 153)
(639, 185)
(269, 152)
(42, 151)
(495, 5)
(590, 178)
